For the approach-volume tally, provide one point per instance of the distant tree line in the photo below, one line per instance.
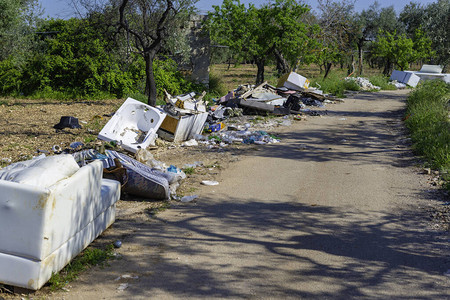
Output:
(121, 47)
(289, 34)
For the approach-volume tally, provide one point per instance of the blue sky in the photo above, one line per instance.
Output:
(62, 9)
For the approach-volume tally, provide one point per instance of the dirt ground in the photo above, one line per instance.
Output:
(27, 127)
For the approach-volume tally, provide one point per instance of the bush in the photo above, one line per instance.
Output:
(381, 81)
(428, 121)
(335, 84)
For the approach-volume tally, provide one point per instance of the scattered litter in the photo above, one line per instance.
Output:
(67, 122)
(57, 149)
(210, 182)
(363, 83)
(76, 145)
(123, 286)
(190, 143)
(342, 119)
(5, 160)
(126, 276)
(189, 198)
(117, 244)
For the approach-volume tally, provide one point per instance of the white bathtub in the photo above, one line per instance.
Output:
(134, 125)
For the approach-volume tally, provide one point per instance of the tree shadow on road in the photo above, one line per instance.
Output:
(296, 247)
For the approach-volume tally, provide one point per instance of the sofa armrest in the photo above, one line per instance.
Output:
(22, 218)
(71, 206)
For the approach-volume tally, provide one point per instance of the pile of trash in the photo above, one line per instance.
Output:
(124, 143)
(411, 78)
(363, 83)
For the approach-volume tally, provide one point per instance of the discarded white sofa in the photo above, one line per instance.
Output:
(134, 125)
(50, 210)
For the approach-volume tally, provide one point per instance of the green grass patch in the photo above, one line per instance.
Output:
(189, 170)
(88, 258)
(335, 84)
(427, 118)
(382, 81)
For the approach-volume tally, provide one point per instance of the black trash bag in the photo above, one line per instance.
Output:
(67, 122)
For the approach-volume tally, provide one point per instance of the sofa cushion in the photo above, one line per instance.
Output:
(42, 172)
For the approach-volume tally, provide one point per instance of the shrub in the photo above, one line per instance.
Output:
(428, 120)
(381, 81)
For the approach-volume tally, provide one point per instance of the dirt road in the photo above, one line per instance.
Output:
(335, 211)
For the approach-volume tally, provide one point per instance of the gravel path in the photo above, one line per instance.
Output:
(335, 211)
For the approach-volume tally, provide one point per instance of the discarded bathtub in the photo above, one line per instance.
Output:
(134, 125)
(50, 210)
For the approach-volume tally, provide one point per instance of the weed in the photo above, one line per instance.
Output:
(89, 139)
(215, 137)
(382, 81)
(88, 258)
(428, 122)
(155, 210)
(189, 170)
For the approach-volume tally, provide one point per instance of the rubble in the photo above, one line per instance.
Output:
(363, 83)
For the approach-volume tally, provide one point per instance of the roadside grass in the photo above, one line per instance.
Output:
(90, 257)
(427, 118)
(381, 81)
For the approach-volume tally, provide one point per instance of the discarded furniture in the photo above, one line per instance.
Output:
(181, 128)
(408, 78)
(293, 81)
(430, 72)
(50, 210)
(134, 125)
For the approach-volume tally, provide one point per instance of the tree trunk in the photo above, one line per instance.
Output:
(260, 73)
(327, 69)
(351, 66)
(360, 57)
(388, 66)
(282, 64)
(150, 83)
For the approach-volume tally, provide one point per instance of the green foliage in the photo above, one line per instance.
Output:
(434, 20)
(382, 81)
(401, 50)
(75, 62)
(428, 120)
(189, 170)
(88, 258)
(10, 78)
(254, 33)
(335, 84)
